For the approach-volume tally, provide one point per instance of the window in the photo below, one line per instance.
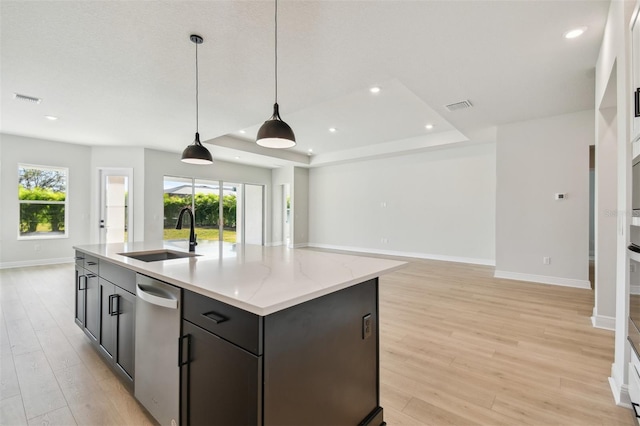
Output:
(42, 195)
(203, 198)
(213, 219)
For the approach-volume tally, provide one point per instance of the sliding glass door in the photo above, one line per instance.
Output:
(220, 209)
(231, 231)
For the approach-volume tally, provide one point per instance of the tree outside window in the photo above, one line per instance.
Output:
(42, 195)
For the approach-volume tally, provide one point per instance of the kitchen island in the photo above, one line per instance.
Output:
(264, 335)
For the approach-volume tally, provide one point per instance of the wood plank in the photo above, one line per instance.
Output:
(457, 346)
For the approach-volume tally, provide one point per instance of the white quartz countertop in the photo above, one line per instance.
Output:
(258, 279)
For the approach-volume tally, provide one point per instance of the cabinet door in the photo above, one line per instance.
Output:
(125, 335)
(92, 306)
(321, 360)
(108, 318)
(220, 381)
(81, 284)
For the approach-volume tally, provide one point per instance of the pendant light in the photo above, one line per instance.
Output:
(196, 153)
(275, 133)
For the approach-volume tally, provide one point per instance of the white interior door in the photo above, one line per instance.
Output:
(253, 217)
(286, 215)
(116, 213)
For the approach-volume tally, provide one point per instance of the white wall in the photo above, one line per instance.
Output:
(436, 204)
(77, 158)
(535, 160)
(614, 56)
(160, 163)
(606, 219)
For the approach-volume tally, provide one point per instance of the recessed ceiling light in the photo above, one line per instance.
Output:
(429, 126)
(237, 158)
(375, 89)
(51, 117)
(576, 32)
(332, 129)
(243, 131)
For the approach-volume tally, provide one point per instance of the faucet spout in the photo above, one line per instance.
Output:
(192, 234)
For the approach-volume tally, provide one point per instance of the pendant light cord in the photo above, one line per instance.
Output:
(276, 49)
(197, 110)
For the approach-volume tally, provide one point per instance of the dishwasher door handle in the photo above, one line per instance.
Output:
(156, 296)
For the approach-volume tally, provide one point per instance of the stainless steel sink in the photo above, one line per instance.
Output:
(157, 255)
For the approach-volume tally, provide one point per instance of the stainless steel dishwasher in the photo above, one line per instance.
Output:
(157, 375)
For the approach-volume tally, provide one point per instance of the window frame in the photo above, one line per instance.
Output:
(64, 235)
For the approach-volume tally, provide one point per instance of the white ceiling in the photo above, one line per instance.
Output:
(122, 72)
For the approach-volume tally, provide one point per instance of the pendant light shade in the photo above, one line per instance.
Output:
(275, 133)
(196, 153)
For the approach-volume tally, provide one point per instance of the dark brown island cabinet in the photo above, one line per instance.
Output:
(311, 364)
(314, 363)
(105, 304)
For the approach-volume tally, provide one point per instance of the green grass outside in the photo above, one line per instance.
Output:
(211, 234)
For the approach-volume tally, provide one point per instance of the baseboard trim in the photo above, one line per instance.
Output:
(274, 244)
(300, 245)
(475, 261)
(603, 322)
(620, 394)
(37, 262)
(543, 279)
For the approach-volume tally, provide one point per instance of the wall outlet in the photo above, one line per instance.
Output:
(560, 196)
(383, 204)
(546, 260)
(384, 240)
(366, 326)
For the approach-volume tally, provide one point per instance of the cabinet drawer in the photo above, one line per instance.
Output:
(91, 264)
(122, 277)
(80, 258)
(232, 324)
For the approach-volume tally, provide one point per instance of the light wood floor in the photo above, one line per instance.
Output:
(457, 347)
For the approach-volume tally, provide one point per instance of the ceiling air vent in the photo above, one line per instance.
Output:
(459, 105)
(26, 98)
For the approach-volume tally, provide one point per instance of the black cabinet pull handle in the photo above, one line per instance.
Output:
(91, 275)
(634, 405)
(79, 258)
(216, 318)
(637, 102)
(80, 277)
(114, 308)
(91, 263)
(180, 350)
